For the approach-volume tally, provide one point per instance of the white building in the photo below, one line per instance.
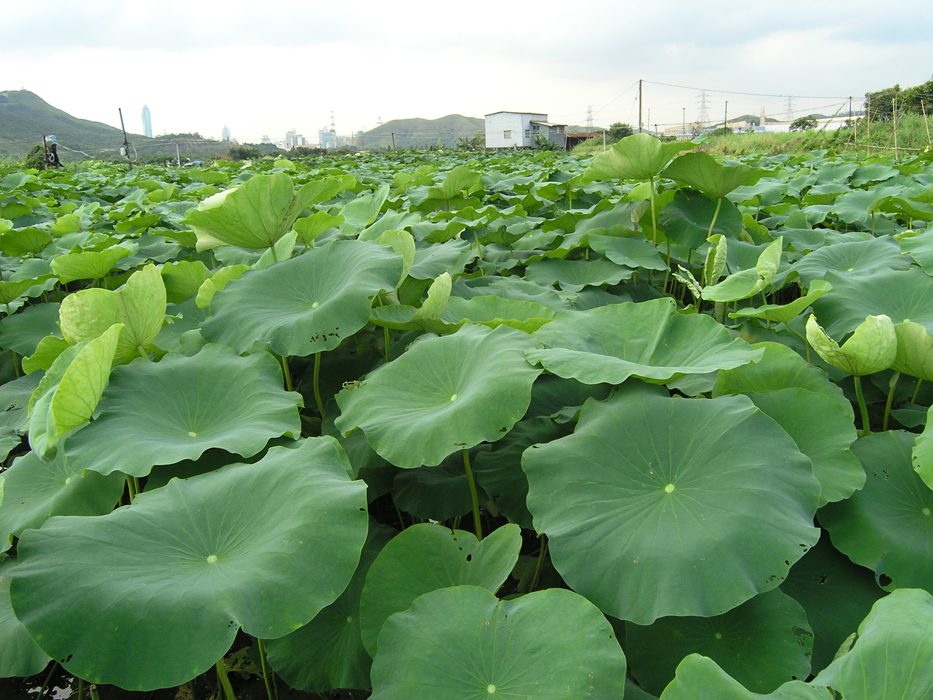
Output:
(520, 129)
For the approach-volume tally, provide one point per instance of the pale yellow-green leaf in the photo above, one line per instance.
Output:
(49, 348)
(716, 258)
(770, 260)
(438, 295)
(217, 282)
(786, 312)
(914, 351)
(183, 278)
(402, 243)
(922, 453)
(310, 227)
(871, 348)
(284, 247)
(69, 223)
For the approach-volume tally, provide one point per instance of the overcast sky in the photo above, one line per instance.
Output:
(266, 67)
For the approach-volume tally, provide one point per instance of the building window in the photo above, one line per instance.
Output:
(507, 134)
(527, 133)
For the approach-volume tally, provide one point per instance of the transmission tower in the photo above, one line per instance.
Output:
(589, 117)
(703, 115)
(789, 114)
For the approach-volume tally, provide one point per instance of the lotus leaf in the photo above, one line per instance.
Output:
(891, 657)
(257, 213)
(851, 259)
(493, 311)
(886, 526)
(435, 493)
(14, 401)
(24, 241)
(213, 399)
(139, 305)
(49, 348)
(328, 652)
(426, 557)
(872, 347)
(639, 504)
(307, 304)
(450, 257)
(784, 313)
(462, 642)
(310, 227)
(69, 392)
(438, 294)
(762, 643)
(264, 546)
(182, 279)
(687, 219)
(704, 173)
(649, 340)
(914, 351)
(746, 283)
(87, 265)
(636, 157)
(700, 678)
(574, 275)
(22, 332)
(836, 594)
(442, 395)
(19, 655)
(631, 252)
(362, 211)
(217, 282)
(402, 243)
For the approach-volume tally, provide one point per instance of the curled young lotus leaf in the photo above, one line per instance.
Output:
(914, 351)
(764, 642)
(872, 347)
(213, 399)
(261, 546)
(307, 304)
(640, 510)
(886, 526)
(462, 642)
(891, 657)
(442, 395)
(649, 340)
(426, 557)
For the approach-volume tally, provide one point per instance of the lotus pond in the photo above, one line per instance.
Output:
(450, 426)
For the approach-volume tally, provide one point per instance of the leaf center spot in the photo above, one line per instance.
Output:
(212, 558)
(718, 635)
(315, 305)
(349, 620)
(68, 481)
(926, 511)
(191, 433)
(669, 488)
(453, 398)
(490, 689)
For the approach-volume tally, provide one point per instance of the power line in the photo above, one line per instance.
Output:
(752, 94)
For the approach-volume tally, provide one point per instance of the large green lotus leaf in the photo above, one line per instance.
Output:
(920, 248)
(851, 259)
(328, 652)
(182, 279)
(836, 594)
(459, 179)
(24, 241)
(687, 219)
(310, 227)
(432, 260)
(823, 431)
(435, 493)
(442, 395)
(38, 489)
(510, 288)
(649, 340)
(500, 474)
(901, 295)
(631, 252)
(922, 453)
(87, 265)
(426, 557)
(914, 351)
(11, 291)
(362, 211)
(161, 413)
(700, 678)
(186, 316)
(139, 305)
(152, 595)
(641, 506)
(636, 157)
(462, 642)
(762, 643)
(14, 401)
(887, 526)
(860, 205)
(22, 332)
(574, 275)
(257, 213)
(19, 655)
(704, 173)
(552, 394)
(871, 348)
(69, 392)
(783, 313)
(217, 282)
(307, 304)
(779, 368)
(893, 655)
(493, 311)
(403, 243)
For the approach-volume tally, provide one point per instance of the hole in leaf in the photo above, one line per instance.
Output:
(67, 659)
(469, 557)
(884, 580)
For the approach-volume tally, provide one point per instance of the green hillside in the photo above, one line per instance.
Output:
(25, 118)
(422, 132)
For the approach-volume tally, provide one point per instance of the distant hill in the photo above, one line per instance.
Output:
(25, 118)
(422, 132)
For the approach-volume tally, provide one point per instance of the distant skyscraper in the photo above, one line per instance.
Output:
(225, 134)
(147, 122)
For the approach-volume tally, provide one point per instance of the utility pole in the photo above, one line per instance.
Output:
(393, 140)
(126, 145)
(177, 155)
(725, 119)
(589, 117)
(639, 106)
(604, 140)
(683, 128)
